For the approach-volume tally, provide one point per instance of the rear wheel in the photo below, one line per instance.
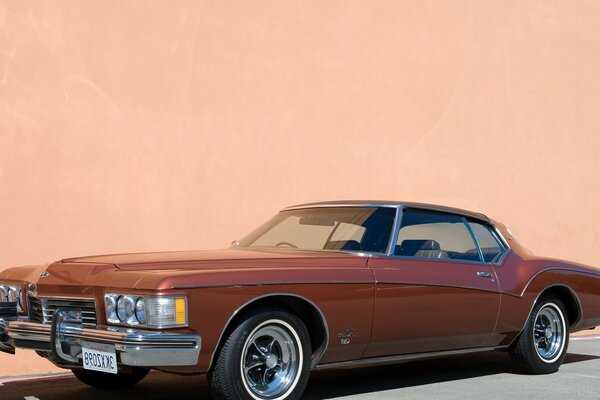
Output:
(106, 381)
(542, 346)
(267, 356)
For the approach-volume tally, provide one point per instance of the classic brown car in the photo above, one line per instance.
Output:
(320, 285)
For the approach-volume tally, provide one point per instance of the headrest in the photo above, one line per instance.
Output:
(410, 247)
(430, 245)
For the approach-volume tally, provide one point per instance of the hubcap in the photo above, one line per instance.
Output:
(548, 333)
(271, 361)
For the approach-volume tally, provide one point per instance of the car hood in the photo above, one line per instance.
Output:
(187, 269)
(204, 258)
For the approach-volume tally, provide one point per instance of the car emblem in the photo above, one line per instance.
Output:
(346, 336)
(44, 274)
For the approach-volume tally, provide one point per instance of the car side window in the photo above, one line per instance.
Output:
(425, 234)
(491, 247)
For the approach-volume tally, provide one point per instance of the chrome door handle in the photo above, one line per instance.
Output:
(483, 274)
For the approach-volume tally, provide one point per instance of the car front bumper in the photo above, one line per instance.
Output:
(63, 339)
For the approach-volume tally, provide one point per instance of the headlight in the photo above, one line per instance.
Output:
(12, 294)
(3, 294)
(140, 310)
(125, 309)
(151, 311)
(110, 304)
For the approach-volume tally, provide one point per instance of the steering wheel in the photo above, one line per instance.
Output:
(286, 244)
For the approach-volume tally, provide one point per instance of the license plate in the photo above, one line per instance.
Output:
(99, 357)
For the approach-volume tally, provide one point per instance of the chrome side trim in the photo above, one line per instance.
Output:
(404, 284)
(450, 260)
(280, 283)
(342, 253)
(320, 351)
(405, 357)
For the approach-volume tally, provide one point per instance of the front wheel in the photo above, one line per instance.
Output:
(265, 357)
(101, 380)
(542, 346)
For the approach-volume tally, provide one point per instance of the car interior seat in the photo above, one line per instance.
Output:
(424, 248)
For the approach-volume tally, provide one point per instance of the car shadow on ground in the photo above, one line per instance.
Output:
(322, 384)
(346, 382)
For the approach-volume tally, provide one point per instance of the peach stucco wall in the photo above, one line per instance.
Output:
(155, 125)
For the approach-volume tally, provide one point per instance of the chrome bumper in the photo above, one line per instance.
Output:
(139, 348)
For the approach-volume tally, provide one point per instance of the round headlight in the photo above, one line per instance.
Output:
(125, 308)
(140, 310)
(3, 294)
(13, 294)
(110, 304)
(21, 302)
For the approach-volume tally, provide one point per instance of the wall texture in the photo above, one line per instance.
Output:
(133, 126)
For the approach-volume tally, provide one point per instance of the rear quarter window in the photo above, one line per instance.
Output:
(490, 245)
(425, 234)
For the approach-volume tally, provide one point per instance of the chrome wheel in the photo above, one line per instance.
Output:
(271, 360)
(542, 345)
(549, 333)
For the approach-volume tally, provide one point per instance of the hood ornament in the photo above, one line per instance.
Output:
(44, 274)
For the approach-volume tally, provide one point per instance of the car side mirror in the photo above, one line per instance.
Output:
(235, 243)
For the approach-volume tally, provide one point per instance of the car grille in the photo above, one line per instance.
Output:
(42, 309)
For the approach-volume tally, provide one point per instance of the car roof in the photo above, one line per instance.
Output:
(388, 203)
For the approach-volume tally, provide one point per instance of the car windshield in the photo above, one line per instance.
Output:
(360, 229)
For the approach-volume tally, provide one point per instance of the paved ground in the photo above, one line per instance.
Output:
(476, 376)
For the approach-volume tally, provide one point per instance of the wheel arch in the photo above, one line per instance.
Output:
(569, 299)
(567, 296)
(303, 308)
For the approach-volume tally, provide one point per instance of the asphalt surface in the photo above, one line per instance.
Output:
(473, 376)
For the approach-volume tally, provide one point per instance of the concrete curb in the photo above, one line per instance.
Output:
(587, 332)
(586, 337)
(19, 378)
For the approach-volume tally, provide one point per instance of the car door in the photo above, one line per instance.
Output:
(436, 292)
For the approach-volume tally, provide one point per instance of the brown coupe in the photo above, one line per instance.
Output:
(320, 285)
